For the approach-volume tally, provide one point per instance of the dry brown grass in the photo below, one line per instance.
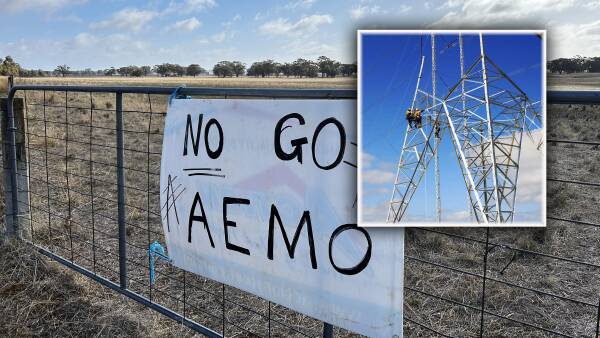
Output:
(202, 81)
(574, 81)
(3, 84)
(39, 298)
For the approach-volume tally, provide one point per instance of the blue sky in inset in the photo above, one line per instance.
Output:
(389, 66)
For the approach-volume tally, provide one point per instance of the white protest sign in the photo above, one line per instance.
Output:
(261, 195)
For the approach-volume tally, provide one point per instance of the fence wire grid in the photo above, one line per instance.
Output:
(476, 282)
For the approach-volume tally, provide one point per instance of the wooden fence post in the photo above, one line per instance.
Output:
(15, 226)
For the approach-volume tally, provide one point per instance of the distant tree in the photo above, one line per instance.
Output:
(136, 71)
(305, 68)
(163, 69)
(194, 70)
(9, 67)
(178, 70)
(25, 72)
(110, 71)
(223, 69)
(327, 66)
(565, 65)
(146, 70)
(87, 72)
(169, 69)
(125, 71)
(348, 69)
(593, 65)
(286, 69)
(238, 68)
(62, 70)
(263, 68)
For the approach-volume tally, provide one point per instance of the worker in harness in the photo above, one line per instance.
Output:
(409, 118)
(436, 128)
(417, 117)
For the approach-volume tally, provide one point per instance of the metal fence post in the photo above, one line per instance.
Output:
(121, 192)
(16, 170)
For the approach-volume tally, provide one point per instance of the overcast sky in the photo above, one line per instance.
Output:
(100, 34)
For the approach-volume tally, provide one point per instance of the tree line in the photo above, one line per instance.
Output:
(323, 67)
(577, 64)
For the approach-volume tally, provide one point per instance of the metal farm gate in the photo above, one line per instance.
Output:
(86, 162)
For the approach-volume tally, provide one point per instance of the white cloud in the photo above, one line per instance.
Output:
(592, 4)
(450, 4)
(228, 32)
(467, 13)
(306, 4)
(362, 10)
(131, 19)
(304, 26)
(230, 23)
(198, 5)
(377, 213)
(66, 18)
(186, 25)
(574, 39)
(366, 160)
(84, 40)
(529, 186)
(377, 176)
(404, 9)
(309, 48)
(456, 216)
(219, 37)
(12, 6)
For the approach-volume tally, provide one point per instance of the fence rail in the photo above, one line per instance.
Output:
(86, 151)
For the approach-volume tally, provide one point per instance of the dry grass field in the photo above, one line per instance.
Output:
(3, 84)
(45, 299)
(201, 81)
(577, 81)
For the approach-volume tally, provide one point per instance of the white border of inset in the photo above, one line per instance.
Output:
(359, 34)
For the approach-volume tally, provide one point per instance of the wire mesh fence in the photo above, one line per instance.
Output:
(458, 282)
(73, 140)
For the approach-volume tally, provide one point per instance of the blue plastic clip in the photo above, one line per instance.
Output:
(156, 251)
(175, 95)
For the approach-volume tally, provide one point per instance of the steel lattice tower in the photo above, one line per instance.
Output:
(485, 114)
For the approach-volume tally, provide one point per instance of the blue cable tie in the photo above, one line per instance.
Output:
(175, 95)
(156, 251)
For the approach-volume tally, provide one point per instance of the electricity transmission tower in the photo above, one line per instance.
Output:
(485, 114)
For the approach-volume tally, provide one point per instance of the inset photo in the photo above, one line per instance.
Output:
(451, 128)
